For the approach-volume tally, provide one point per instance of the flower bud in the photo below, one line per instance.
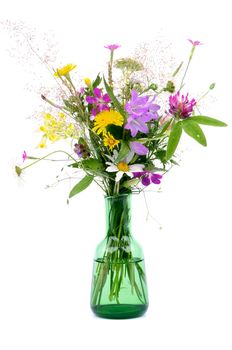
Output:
(153, 87)
(87, 81)
(212, 86)
(170, 87)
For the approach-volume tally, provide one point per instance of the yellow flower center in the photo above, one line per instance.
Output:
(122, 166)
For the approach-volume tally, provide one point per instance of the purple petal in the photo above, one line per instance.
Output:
(90, 99)
(97, 92)
(138, 174)
(155, 178)
(195, 43)
(146, 181)
(112, 47)
(138, 148)
(24, 156)
(106, 98)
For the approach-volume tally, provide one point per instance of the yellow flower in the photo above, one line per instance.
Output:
(110, 141)
(87, 81)
(42, 143)
(56, 128)
(105, 118)
(64, 70)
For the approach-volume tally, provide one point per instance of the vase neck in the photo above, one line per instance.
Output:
(118, 215)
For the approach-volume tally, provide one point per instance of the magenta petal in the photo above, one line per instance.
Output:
(155, 178)
(138, 148)
(90, 99)
(195, 43)
(97, 92)
(138, 174)
(112, 47)
(106, 98)
(24, 156)
(146, 181)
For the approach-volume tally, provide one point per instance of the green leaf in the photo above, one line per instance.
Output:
(81, 186)
(193, 130)
(165, 127)
(75, 165)
(97, 81)
(131, 183)
(173, 140)
(201, 119)
(124, 150)
(161, 155)
(177, 69)
(92, 164)
(115, 130)
(115, 101)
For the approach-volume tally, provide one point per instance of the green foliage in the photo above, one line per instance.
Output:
(81, 186)
(115, 101)
(161, 155)
(92, 164)
(170, 87)
(193, 130)
(165, 126)
(97, 81)
(124, 150)
(177, 69)
(131, 183)
(200, 119)
(115, 130)
(173, 140)
(129, 64)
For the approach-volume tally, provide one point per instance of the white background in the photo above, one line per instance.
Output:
(46, 247)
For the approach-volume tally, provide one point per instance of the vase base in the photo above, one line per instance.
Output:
(119, 311)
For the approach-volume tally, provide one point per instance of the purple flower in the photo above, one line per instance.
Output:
(138, 148)
(148, 177)
(181, 106)
(99, 101)
(81, 150)
(195, 43)
(140, 111)
(112, 47)
(24, 156)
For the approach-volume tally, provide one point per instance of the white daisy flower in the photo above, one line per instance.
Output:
(123, 167)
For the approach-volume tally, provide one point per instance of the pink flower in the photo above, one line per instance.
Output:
(195, 43)
(112, 47)
(99, 101)
(181, 106)
(148, 177)
(24, 156)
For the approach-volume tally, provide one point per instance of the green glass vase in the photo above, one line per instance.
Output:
(119, 288)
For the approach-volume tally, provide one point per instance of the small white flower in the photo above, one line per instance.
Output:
(123, 167)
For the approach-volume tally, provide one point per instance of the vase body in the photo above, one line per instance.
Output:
(119, 288)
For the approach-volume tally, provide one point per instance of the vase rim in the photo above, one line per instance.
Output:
(118, 195)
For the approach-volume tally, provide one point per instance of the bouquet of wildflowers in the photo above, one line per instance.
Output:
(123, 139)
(120, 139)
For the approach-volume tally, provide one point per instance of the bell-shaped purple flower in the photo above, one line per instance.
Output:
(140, 111)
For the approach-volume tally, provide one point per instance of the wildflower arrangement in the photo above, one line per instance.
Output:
(120, 139)
(123, 139)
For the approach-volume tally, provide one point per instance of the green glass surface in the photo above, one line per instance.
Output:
(119, 288)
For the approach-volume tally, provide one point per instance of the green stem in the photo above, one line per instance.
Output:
(49, 154)
(186, 70)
